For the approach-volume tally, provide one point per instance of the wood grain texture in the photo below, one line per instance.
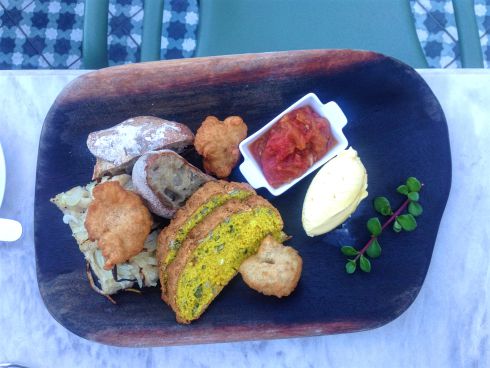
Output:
(395, 123)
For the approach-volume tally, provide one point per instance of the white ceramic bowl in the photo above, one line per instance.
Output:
(331, 111)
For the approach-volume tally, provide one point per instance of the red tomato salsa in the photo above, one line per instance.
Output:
(292, 145)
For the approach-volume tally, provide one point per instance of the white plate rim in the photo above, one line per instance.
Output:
(3, 175)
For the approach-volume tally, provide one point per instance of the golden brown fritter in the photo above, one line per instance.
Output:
(119, 221)
(217, 141)
(274, 270)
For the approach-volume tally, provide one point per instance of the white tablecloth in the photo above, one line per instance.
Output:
(448, 325)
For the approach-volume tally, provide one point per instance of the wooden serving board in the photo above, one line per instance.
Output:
(395, 123)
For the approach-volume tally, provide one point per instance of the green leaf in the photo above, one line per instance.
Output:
(407, 222)
(374, 226)
(374, 250)
(350, 266)
(415, 209)
(397, 227)
(413, 196)
(382, 205)
(365, 264)
(349, 251)
(402, 189)
(413, 184)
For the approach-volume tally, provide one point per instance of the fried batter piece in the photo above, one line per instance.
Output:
(274, 270)
(119, 221)
(217, 141)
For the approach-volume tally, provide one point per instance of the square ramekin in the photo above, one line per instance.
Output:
(251, 169)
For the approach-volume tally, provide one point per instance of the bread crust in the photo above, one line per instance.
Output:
(105, 168)
(200, 197)
(156, 159)
(140, 181)
(118, 147)
(197, 234)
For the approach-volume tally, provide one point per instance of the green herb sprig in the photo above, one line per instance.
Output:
(401, 222)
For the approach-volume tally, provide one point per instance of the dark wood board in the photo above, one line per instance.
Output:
(395, 123)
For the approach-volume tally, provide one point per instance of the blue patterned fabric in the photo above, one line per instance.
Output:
(180, 20)
(42, 34)
(125, 26)
(482, 13)
(436, 30)
(48, 33)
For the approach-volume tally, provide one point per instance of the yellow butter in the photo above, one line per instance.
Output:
(334, 194)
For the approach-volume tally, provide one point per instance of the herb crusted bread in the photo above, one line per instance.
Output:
(206, 199)
(213, 250)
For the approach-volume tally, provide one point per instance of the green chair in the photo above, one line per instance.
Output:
(469, 40)
(242, 26)
(386, 26)
(94, 47)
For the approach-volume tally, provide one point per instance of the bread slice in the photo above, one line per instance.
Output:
(117, 148)
(204, 201)
(165, 180)
(214, 250)
(105, 168)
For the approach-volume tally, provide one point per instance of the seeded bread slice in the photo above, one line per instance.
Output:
(118, 147)
(165, 180)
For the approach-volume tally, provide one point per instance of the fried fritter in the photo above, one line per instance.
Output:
(218, 142)
(274, 270)
(119, 221)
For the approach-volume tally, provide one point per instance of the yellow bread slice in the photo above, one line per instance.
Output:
(334, 194)
(214, 250)
(207, 198)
